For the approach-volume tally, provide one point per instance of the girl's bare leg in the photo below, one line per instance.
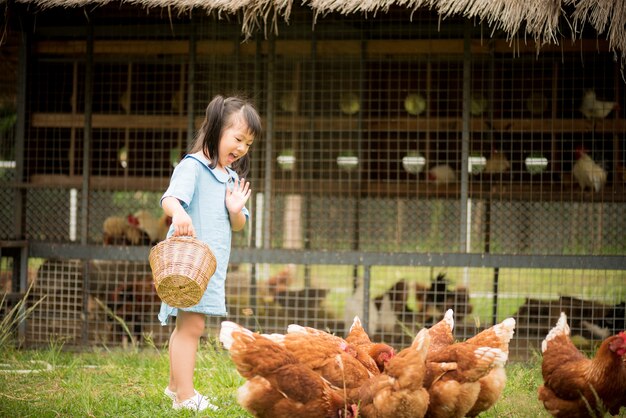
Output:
(183, 347)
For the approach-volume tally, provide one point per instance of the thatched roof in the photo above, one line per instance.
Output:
(539, 20)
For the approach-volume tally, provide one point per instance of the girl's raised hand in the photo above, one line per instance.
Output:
(237, 196)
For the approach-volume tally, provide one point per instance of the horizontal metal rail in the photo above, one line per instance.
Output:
(279, 256)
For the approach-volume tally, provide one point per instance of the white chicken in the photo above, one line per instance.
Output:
(120, 230)
(442, 174)
(155, 228)
(587, 172)
(592, 108)
(386, 316)
(497, 163)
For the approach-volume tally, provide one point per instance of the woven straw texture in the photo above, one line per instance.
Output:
(542, 20)
(181, 268)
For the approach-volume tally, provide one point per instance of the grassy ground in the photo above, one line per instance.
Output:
(129, 383)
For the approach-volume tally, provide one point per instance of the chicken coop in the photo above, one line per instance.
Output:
(413, 160)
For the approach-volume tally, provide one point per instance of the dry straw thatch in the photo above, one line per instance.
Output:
(539, 20)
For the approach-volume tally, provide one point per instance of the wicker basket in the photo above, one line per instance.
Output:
(181, 267)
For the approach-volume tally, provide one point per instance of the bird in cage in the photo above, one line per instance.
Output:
(442, 174)
(587, 172)
(592, 108)
(155, 228)
(497, 162)
(123, 230)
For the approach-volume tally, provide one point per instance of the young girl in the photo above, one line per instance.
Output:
(206, 199)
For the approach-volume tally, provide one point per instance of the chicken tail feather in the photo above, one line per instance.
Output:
(449, 318)
(356, 323)
(226, 333)
(505, 329)
(422, 340)
(561, 328)
(296, 329)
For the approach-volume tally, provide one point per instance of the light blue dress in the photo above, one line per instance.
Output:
(201, 191)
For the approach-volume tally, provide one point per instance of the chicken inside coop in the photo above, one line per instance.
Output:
(442, 174)
(436, 299)
(497, 163)
(123, 302)
(390, 312)
(588, 319)
(592, 108)
(280, 296)
(587, 172)
(140, 228)
(136, 303)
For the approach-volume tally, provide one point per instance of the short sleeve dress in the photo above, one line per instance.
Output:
(201, 191)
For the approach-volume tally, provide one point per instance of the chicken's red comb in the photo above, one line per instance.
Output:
(622, 335)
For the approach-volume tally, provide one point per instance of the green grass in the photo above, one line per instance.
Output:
(116, 383)
(108, 383)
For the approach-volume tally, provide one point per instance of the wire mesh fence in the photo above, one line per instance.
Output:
(383, 136)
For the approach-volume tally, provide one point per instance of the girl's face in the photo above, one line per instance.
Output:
(235, 142)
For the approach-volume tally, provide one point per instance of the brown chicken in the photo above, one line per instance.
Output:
(380, 352)
(340, 363)
(398, 392)
(280, 281)
(277, 384)
(454, 370)
(576, 386)
(441, 333)
(441, 336)
(135, 302)
(492, 385)
(497, 163)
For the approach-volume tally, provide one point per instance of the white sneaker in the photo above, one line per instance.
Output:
(172, 395)
(196, 403)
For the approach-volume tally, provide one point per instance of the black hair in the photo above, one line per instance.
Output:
(219, 115)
